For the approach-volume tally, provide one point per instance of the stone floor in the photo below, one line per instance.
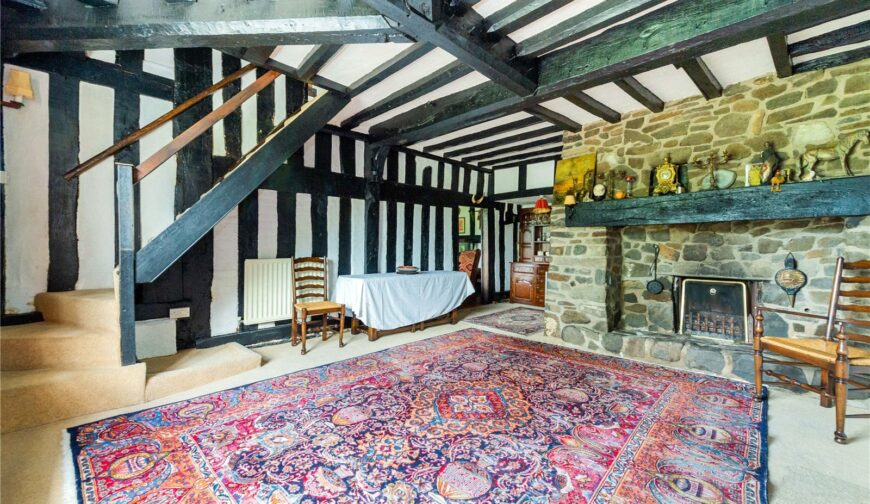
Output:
(806, 466)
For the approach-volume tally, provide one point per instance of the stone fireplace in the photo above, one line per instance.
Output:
(714, 308)
(597, 296)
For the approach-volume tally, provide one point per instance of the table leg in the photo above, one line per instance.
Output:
(454, 316)
(341, 327)
(354, 325)
(373, 334)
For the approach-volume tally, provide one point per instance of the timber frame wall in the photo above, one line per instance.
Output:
(323, 185)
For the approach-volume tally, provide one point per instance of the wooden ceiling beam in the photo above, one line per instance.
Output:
(779, 52)
(704, 80)
(503, 141)
(553, 117)
(833, 60)
(69, 25)
(462, 37)
(522, 157)
(390, 67)
(844, 36)
(641, 93)
(519, 14)
(411, 92)
(528, 161)
(591, 20)
(513, 149)
(594, 106)
(315, 61)
(261, 56)
(480, 135)
(25, 4)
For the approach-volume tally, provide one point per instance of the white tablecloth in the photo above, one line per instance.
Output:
(388, 300)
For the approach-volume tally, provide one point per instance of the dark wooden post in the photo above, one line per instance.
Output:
(125, 234)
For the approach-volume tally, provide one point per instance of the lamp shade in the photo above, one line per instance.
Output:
(19, 84)
(542, 206)
(570, 200)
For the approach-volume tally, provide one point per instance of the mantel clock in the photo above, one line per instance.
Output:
(666, 178)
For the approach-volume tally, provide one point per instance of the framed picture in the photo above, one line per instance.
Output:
(462, 225)
(574, 176)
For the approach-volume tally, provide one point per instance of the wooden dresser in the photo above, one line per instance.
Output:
(529, 282)
(529, 274)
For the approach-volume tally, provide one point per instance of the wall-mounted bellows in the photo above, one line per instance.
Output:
(19, 87)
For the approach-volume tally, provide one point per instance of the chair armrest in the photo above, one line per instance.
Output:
(790, 312)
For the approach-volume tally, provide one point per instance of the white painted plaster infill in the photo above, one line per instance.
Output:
(303, 225)
(225, 282)
(157, 190)
(155, 338)
(267, 224)
(25, 151)
(357, 236)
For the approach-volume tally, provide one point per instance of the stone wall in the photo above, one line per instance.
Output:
(793, 113)
(596, 296)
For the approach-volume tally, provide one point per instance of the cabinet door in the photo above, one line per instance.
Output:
(522, 288)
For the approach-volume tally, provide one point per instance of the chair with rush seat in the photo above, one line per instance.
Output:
(835, 353)
(310, 291)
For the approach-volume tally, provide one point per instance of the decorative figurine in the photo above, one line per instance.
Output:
(666, 178)
(841, 150)
(629, 181)
(716, 179)
(776, 181)
(770, 162)
(790, 279)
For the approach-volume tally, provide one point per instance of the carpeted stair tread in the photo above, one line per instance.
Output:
(93, 309)
(58, 346)
(41, 396)
(197, 366)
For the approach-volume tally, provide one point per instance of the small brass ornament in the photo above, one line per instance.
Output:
(790, 279)
(666, 178)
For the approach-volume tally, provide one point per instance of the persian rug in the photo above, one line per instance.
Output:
(523, 321)
(469, 416)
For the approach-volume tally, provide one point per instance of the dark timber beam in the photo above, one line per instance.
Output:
(68, 25)
(390, 67)
(844, 36)
(591, 20)
(100, 3)
(556, 118)
(513, 149)
(675, 32)
(779, 52)
(480, 135)
(261, 56)
(519, 14)
(529, 161)
(704, 80)
(641, 93)
(522, 157)
(832, 60)
(594, 106)
(315, 61)
(460, 36)
(25, 4)
(503, 141)
(431, 82)
(523, 193)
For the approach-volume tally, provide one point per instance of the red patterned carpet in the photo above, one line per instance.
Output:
(469, 416)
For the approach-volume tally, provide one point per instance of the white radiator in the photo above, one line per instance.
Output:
(268, 295)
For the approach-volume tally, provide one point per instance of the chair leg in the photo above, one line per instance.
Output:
(294, 337)
(323, 335)
(341, 327)
(841, 378)
(304, 330)
(827, 384)
(758, 351)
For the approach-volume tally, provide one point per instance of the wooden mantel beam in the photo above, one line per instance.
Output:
(69, 25)
(676, 32)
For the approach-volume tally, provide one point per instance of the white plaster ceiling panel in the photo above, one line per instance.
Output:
(615, 98)
(668, 83)
(472, 129)
(570, 110)
(741, 62)
(460, 84)
(496, 137)
(828, 52)
(552, 19)
(292, 55)
(487, 8)
(354, 61)
(415, 71)
(830, 26)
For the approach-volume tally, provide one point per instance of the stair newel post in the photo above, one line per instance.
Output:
(125, 235)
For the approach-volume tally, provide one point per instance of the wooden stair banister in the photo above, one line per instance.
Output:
(156, 123)
(198, 128)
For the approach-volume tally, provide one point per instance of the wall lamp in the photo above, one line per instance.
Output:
(19, 87)
(570, 205)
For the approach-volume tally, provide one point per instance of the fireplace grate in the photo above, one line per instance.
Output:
(714, 308)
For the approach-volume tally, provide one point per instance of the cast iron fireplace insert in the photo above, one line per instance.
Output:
(715, 308)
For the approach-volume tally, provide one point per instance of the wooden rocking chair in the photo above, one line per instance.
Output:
(832, 353)
(310, 291)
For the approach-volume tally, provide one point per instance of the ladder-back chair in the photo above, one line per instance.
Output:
(310, 290)
(835, 353)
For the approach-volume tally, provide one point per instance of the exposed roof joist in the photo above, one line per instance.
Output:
(554, 117)
(480, 135)
(519, 14)
(844, 36)
(528, 161)
(525, 157)
(681, 31)
(261, 56)
(640, 93)
(390, 67)
(503, 141)
(315, 61)
(514, 149)
(594, 106)
(832, 60)
(779, 52)
(704, 80)
(69, 25)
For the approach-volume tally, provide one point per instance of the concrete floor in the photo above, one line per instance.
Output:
(806, 466)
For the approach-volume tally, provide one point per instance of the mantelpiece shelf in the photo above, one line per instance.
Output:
(839, 197)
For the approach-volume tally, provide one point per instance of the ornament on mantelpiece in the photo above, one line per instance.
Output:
(666, 178)
(790, 279)
(715, 178)
(770, 161)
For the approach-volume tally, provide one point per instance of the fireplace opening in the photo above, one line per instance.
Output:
(714, 308)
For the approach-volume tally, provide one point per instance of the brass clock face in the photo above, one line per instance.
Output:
(666, 178)
(598, 192)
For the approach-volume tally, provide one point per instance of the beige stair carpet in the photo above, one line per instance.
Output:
(195, 367)
(53, 345)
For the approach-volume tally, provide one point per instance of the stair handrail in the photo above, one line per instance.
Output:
(153, 125)
(199, 127)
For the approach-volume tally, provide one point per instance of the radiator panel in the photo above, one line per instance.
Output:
(268, 294)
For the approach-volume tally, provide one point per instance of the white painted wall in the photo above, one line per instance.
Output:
(303, 225)
(540, 174)
(224, 286)
(25, 151)
(357, 236)
(157, 190)
(506, 180)
(267, 224)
